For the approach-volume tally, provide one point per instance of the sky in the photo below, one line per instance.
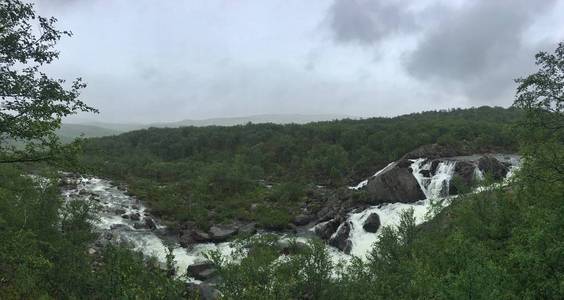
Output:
(154, 61)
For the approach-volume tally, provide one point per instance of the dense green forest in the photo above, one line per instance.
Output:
(505, 243)
(185, 172)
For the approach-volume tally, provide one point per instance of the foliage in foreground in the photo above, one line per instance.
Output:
(501, 244)
(44, 246)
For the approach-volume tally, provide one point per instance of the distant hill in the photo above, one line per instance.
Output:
(256, 119)
(67, 132)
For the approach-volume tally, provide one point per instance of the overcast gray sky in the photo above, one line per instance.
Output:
(148, 60)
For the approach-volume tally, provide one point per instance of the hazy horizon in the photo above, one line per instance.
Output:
(147, 61)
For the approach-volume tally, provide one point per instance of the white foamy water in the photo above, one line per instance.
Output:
(435, 187)
(389, 216)
(113, 203)
(112, 200)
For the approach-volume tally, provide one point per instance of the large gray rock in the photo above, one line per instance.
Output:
(326, 230)
(222, 233)
(202, 271)
(149, 223)
(489, 165)
(186, 240)
(200, 236)
(372, 223)
(341, 239)
(463, 175)
(397, 184)
(248, 229)
(208, 292)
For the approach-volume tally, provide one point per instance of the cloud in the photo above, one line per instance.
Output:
(366, 22)
(478, 48)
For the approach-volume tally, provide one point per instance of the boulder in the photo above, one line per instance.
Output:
(341, 238)
(139, 225)
(425, 173)
(186, 240)
(489, 165)
(208, 292)
(248, 229)
(200, 236)
(135, 216)
(397, 184)
(302, 219)
(119, 211)
(463, 175)
(325, 230)
(201, 271)
(404, 163)
(434, 166)
(149, 223)
(288, 246)
(222, 233)
(372, 223)
(84, 193)
(435, 151)
(331, 208)
(118, 226)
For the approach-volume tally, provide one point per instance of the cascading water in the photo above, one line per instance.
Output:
(151, 243)
(114, 204)
(389, 215)
(434, 186)
(440, 182)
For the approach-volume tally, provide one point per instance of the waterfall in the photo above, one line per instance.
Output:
(389, 214)
(478, 174)
(434, 186)
(440, 182)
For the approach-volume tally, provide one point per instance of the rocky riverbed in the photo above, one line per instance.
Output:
(349, 226)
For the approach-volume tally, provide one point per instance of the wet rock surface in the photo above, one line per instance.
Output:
(202, 270)
(221, 233)
(394, 185)
(340, 239)
(493, 167)
(325, 230)
(372, 223)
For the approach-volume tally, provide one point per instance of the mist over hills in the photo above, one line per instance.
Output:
(98, 129)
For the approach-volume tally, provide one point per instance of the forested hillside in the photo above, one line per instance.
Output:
(185, 172)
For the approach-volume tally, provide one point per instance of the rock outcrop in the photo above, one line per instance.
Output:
(463, 176)
(372, 223)
(396, 184)
(202, 270)
(326, 230)
(341, 238)
(220, 234)
(489, 165)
